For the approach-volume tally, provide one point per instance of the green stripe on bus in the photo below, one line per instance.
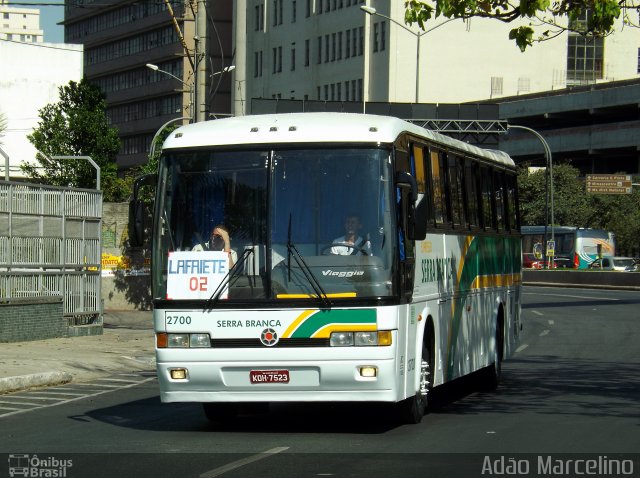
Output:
(323, 318)
(485, 256)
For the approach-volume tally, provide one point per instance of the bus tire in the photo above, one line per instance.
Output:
(493, 372)
(220, 412)
(412, 409)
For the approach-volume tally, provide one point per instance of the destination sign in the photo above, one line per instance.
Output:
(608, 183)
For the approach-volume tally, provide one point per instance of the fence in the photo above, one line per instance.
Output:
(50, 246)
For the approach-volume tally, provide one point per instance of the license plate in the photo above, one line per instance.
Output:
(269, 376)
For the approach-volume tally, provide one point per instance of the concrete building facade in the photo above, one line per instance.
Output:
(20, 24)
(332, 50)
(120, 38)
(34, 74)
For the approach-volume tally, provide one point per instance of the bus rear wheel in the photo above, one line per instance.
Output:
(493, 373)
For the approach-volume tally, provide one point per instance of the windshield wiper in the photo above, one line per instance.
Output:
(233, 273)
(306, 270)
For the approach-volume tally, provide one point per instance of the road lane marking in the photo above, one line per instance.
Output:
(544, 332)
(245, 461)
(89, 394)
(551, 322)
(522, 347)
(536, 312)
(587, 297)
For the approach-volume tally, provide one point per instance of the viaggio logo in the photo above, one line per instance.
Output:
(331, 273)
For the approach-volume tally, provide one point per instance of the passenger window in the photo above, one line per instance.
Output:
(438, 186)
(457, 190)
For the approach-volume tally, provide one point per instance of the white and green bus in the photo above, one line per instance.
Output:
(430, 292)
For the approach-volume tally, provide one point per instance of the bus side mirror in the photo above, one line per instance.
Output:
(417, 209)
(136, 210)
(136, 223)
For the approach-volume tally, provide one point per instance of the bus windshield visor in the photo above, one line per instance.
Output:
(272, 225)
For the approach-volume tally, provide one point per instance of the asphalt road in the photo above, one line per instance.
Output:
(573, 387)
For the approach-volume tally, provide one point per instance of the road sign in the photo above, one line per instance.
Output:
(608, 183)
(551, 248)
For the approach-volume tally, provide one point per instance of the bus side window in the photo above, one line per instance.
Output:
(511, 202)
(486, 179)
(438, 186)
(498, 184)
(471, 187)
(457, 190)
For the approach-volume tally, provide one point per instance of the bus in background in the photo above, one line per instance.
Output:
(575, 247)
(428, 293)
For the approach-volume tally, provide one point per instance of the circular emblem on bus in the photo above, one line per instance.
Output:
(269, 337)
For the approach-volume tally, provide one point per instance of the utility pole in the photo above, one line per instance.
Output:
(200, 42)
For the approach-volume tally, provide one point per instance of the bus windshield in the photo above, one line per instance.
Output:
(303, 223)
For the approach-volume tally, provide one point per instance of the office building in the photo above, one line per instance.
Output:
(120, 38)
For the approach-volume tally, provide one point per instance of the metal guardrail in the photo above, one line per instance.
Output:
(50, 245)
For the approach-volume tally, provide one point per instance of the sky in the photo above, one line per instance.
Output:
(50, 14)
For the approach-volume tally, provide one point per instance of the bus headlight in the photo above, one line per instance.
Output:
(164, 340)
(199, 340)
(365, 338)
(341, 339)
(360, 339)
(178, 340)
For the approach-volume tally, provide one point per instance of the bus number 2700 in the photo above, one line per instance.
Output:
(178, 320)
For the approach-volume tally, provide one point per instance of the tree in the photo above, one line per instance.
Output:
(571, 205)
(77, 126)
(548, 17)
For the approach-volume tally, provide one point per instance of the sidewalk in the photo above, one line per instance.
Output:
(127, 345)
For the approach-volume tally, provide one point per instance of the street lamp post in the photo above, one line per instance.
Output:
(418, 35)
(549, 195)
(153, 67)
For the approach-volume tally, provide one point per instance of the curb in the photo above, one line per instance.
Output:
(23, 382)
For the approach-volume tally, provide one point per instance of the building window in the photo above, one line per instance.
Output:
(277, 12)
(496, 85)
(307, 47)
(293, 57)
(339, 45)
(524, 84)
(257, 64)
(585, 55)
(259, 17)
(360, 41)
(333, 47)
(319, 58)
(347, 51)
(346, 90)
(383, 36)
(326, 49)
(376, 34)
(354, 42)
(307, 12)
(638, 60)
(294, 13)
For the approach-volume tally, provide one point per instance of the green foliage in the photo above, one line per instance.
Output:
(538, 13)
(573, 206)
(77, 126)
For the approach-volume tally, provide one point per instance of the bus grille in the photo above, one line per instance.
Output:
(255, 343)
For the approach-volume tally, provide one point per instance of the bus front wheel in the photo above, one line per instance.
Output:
(412, 409)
